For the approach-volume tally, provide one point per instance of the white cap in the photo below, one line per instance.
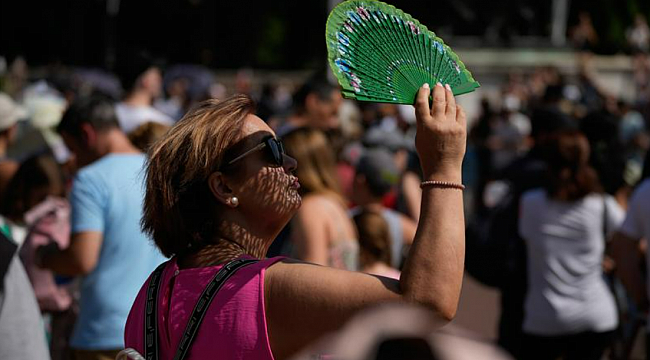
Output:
(10, 112)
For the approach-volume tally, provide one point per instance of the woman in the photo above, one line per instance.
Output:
(375, 255)
(220, 188)
(321, 231)
(569, 310)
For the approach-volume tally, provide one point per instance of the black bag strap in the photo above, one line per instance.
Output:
(200, 309)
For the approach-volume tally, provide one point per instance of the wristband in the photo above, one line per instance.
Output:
(442, 184)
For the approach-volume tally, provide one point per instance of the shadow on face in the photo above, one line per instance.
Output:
(267, 193)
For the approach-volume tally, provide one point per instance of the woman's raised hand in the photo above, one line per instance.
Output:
(441, 134)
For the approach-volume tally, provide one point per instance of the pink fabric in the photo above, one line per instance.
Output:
(234, 327)
(48, 221)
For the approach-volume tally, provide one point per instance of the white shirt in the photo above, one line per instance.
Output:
(637, 221)
(565, 246)
(130, 117)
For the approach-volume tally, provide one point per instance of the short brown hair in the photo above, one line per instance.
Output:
(179, 209)
(569, 174)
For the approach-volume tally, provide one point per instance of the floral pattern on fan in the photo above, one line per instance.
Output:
(381, 54)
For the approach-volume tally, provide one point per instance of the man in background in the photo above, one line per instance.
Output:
(107, 247)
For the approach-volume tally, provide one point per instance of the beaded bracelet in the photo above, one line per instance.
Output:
(442, 184)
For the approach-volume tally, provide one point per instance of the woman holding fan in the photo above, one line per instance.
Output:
(220, 188)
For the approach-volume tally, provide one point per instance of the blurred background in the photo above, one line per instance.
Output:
(542, 65)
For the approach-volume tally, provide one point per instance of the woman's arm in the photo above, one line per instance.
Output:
(305, 301)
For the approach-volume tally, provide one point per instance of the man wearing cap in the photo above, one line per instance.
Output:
(10, 114)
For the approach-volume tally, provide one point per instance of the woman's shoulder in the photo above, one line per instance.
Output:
(320, 201)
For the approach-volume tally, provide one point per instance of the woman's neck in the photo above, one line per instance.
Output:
(230, 242)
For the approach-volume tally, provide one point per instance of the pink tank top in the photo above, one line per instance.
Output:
(234, 327)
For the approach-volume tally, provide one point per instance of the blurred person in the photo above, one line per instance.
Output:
(21, 330)
(16, 78)
(146, 134)
(316, 104)
(375, 243)
(638, 36)
(10, 114)
(107, 247)
(177, 100)
(479, 135)
(377, 175)
(569, 309)
(629, 248)
(508, 136)
(321, 231)
(36, 201)
(237, 193)
(401, 149)
(583, 34)
(142, 81)
(496, 254)
(393, 141)
(608, 155)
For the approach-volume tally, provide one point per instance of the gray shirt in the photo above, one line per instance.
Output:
(565, 245)
(22, 335)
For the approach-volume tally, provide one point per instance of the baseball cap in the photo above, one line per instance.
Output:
(10, 112)
(391, 140)
(379, 169)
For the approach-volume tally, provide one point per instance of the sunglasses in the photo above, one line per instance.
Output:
(275, 149)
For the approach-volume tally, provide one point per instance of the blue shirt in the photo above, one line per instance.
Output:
(107, 197)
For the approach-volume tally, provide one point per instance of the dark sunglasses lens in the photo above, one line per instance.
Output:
(278, 151)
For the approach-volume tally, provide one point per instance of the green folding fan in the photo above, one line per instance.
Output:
(381, 54)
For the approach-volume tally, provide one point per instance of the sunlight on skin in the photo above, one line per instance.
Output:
(268, 199)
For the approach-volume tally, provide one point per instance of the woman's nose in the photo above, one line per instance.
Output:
(289, 164)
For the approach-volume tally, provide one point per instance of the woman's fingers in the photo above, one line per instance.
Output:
(422, 102)
(461, 118)
(439, 101)
(450, 110)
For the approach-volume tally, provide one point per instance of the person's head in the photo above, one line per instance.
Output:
(639, 20)
(318, 102)
(374, 238)
(140, 72)
(217, 152)
(395, 142)
(85, 128)
(570, 177)
(313, 151)
(147, 133)
(37, 178)
(376, 175)
(10, 114)
(545, 121)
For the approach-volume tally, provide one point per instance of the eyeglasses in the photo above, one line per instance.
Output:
(276, 150)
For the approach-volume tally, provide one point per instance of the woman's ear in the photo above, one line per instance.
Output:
(219, 188)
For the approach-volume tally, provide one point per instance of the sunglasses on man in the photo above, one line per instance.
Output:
(274, 148)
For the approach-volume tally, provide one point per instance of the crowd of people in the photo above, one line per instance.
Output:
(101, 181)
